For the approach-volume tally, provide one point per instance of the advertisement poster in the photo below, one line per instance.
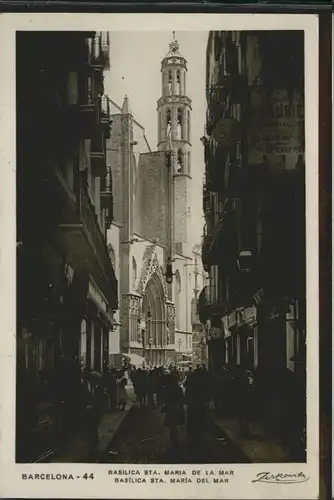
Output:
(277, 124)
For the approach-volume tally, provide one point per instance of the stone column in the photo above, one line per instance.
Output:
(164, 82)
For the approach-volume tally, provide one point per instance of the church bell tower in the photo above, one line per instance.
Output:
(174, 114)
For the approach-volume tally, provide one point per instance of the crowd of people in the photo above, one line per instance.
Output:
(75, 398)
(242, 394)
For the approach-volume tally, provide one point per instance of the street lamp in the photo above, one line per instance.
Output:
(169, 271)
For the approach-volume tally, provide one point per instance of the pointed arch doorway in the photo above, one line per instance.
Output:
(154, 312)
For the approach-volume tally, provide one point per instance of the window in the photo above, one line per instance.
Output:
(188, 124)
(170, 82)
(168, 122)
(83, 343)
(179, 126)
(178, 82)
(179, 165)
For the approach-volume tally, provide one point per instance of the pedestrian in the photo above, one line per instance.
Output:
(121, 383)
(141, 387)
(198, 395)
(245, 398)
(151, 387)
(111, 386)
(174, 412)
(94, 404)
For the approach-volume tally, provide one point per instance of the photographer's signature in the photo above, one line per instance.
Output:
(280, 478)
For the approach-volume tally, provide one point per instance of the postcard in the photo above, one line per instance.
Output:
(160, 259)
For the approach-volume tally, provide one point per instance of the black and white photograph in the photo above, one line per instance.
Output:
(162, 276)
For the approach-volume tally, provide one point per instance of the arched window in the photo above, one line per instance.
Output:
(188, 122)
(134, 272)
(179, 126)
(83, 343)
(178, 82)
(179, 164)
(169, 82)
(168, 122)
(177, 300)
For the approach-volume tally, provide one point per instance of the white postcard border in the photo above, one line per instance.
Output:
(11, 482)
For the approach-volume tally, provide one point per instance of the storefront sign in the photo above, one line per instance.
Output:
(277, 128)
(96, 295)
(232, 320)
(249, 315)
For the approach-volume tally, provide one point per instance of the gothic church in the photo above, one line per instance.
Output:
(149, 238)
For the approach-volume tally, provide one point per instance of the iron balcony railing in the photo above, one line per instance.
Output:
(89, 219)
(99, 50)
(210, 304)
(105, 115)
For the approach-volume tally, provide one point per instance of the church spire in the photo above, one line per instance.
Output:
(173, 47)
(126, 106)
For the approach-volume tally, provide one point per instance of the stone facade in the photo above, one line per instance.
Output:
(151, 226)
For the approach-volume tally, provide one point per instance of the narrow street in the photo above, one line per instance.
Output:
(143, 438)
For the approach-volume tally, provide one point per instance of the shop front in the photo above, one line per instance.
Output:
(40, 336)
(246, 335)
(216, 345)
(94, 333)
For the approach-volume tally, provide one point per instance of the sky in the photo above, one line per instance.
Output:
(135, 71)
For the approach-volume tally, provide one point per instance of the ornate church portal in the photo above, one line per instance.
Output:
(152, 315)
(154, 312)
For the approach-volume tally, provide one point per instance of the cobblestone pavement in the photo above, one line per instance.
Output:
(143, 438)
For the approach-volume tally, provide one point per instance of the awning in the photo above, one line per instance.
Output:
(187, 355)
(134, 359)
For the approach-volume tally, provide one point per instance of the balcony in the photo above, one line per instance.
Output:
(215, 168)
(105, 116)
(99, 51)
(208, 306)
(105, 46)
(85, 115)
(97, 155)
(237, 181)
(206, 244)
(106, 195)
(227, 132)
(207, 205)
(86, 119)
(83, 242)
